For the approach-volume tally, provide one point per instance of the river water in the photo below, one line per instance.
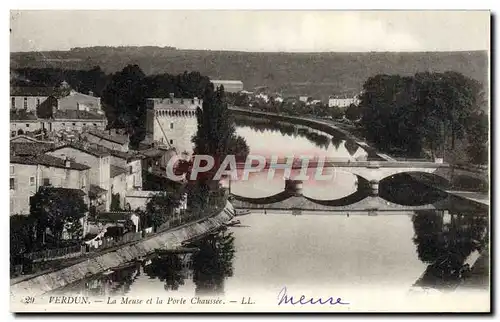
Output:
(276, 249)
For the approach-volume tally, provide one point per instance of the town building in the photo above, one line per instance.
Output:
(73, 120)
(30, 148)
(28, 139)
(100, 168)
(172, 121)
(111, 139)
(139, 199)
(22, 122)
(29, 173)
(28, 98)
(80, 102)
(304, 99)
(119, 218)
(342, 101)
(230, 86)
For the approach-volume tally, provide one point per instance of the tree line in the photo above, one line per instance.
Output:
(426, 114)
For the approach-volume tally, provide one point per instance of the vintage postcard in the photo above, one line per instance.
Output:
(249, 161)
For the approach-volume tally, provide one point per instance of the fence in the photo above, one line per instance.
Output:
(67, 252)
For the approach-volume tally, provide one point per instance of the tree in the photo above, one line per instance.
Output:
(22, 233)
(54, 208)
(160, 208)
(353, 112)
(115, 202)
(478, 137)
(215, 135)
(416, 113)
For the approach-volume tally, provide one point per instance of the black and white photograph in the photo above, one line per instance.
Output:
(273, 161)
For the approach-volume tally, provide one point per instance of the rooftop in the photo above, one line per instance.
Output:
(95, 191)
(116, 171)
(29, 148)
(89, 149)
(31, 91)
(114, 216)
(28, 138)
(130, 155)
(47, 160)
(153, 152)
(109, 136)
(21, 115)
(64, 191)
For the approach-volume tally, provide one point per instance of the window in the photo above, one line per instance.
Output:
(13, 99)
(171, 125)
(130, 169)
(32, 181)
(74, 124)
(37, 102)
(62, 124)
(11, 169)
(12, 184)
(84, 124)
(27, 125)
(95, 124)
(12, 133)
(46, 181)
(83, 182)
(171, 141)
(25, 103)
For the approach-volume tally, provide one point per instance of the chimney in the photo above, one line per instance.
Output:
(91, 93)
(67, 162)
(171, 98)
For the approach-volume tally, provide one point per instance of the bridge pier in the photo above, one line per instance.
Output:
(294, 187)
(374, 188)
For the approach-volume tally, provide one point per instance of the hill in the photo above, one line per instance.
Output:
(315, 74)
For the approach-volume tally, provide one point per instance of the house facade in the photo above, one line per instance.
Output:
(29, 173)
(80, 102)
(28, 98)
(99, 163)
(342, 101)
(73, 120)
(22, 122)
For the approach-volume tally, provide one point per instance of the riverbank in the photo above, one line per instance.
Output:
(109, 259)
(322, 125)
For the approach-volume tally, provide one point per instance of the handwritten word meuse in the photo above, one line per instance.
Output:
(284, 298)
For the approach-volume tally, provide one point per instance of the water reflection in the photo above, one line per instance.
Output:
(213, 264)
(168, 269)
(261, 135)
(208, 267)
(449, 243)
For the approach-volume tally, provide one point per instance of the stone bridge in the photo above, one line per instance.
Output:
(384, 166)
(293, 199)
(372, 171)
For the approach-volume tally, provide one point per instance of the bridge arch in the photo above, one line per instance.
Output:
(413, 188)
(377, 174)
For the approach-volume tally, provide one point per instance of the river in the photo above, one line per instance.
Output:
(269, 251)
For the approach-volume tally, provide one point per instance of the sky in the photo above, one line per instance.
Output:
(267, 31)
